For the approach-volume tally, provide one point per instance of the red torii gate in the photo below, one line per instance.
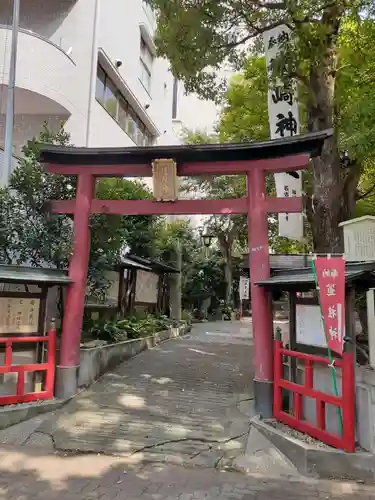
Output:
(251, 159)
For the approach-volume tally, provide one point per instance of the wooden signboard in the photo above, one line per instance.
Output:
(19, 315)
(164, 172)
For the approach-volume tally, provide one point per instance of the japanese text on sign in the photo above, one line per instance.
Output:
(331, 282)
(284, 122)
(19, 315)
(244, 288)
(165, 180)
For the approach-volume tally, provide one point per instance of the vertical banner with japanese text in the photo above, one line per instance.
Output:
(330, 276)
(284, 122)
(244, 288)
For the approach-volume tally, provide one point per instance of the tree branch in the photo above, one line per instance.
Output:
(366, 193)
(270, 5)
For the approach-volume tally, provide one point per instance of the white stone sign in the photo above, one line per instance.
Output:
(284, 122)
(309, 326)
(244, 288)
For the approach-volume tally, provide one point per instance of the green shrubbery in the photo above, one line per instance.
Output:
(119, 329)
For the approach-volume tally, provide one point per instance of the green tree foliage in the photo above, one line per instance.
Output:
(244, 116)
(199, 37)
(202, 272)
(31, 235)
(245, 113)
(230, 231)
(111, 234)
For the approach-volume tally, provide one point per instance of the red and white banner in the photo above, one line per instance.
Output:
(330, 274)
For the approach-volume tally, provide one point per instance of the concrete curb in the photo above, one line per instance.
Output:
(96, 361)
(12, 415)
(15, 414)
(323, 463)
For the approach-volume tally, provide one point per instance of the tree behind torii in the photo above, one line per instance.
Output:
(199, 37)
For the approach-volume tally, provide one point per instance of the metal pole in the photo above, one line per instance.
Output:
(9, 123)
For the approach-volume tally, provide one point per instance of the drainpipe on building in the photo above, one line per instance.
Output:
(9, 122)
(94, 63)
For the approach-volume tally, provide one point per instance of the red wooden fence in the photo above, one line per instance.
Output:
(346, 401)
(48, 367)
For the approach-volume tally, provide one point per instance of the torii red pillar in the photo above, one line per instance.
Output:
(66, 373)
(260, 300)
(256, 205)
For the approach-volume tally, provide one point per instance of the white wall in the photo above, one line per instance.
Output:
(70, 24)
(104, 131)
(194, 113)
(41, 16)
(119, 37)
(26, 127)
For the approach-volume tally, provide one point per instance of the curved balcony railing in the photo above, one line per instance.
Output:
(41, 37)
(43, 68)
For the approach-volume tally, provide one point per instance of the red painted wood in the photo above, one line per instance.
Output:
(346, 402)
(75, 299)
(348, 398)
(302, 426)
(49, 368)
(310, 357)
(22, 340)
(311, 393)
(278, 375)
(51, 353)
(8, 354)
(259, 271)
(26, 398)
(298, 406)
(321, 414)
(29, 368)
(285, 164)
(309, 378)
(180, 207)
(21, 381)
(102, 170)
(282, 205)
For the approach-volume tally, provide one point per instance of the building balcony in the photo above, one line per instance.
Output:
(45, 76)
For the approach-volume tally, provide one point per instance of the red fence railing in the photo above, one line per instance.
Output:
(48, 367)
(346, 402)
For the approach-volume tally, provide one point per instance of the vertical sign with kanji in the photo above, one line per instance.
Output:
(244, 288)
(330, 275)
(284, 122)
(164, 173)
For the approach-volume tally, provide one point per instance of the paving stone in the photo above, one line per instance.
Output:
(177, 405)
(178, 401)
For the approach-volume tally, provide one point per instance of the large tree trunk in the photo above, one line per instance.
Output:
(228, 281)
(333, 198)
(226, 243)
(335, 184)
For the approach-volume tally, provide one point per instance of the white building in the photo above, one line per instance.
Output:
(91, 63)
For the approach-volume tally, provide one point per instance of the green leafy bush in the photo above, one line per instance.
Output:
(126, 328)
(187, 316)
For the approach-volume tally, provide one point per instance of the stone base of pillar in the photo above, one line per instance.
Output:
(263, 394)
(66, 381)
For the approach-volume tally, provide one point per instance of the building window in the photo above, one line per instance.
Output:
(100, 85)
(146, 60)
(118, 107)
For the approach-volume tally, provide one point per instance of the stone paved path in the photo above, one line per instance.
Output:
(31, 474)
(187, 402)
